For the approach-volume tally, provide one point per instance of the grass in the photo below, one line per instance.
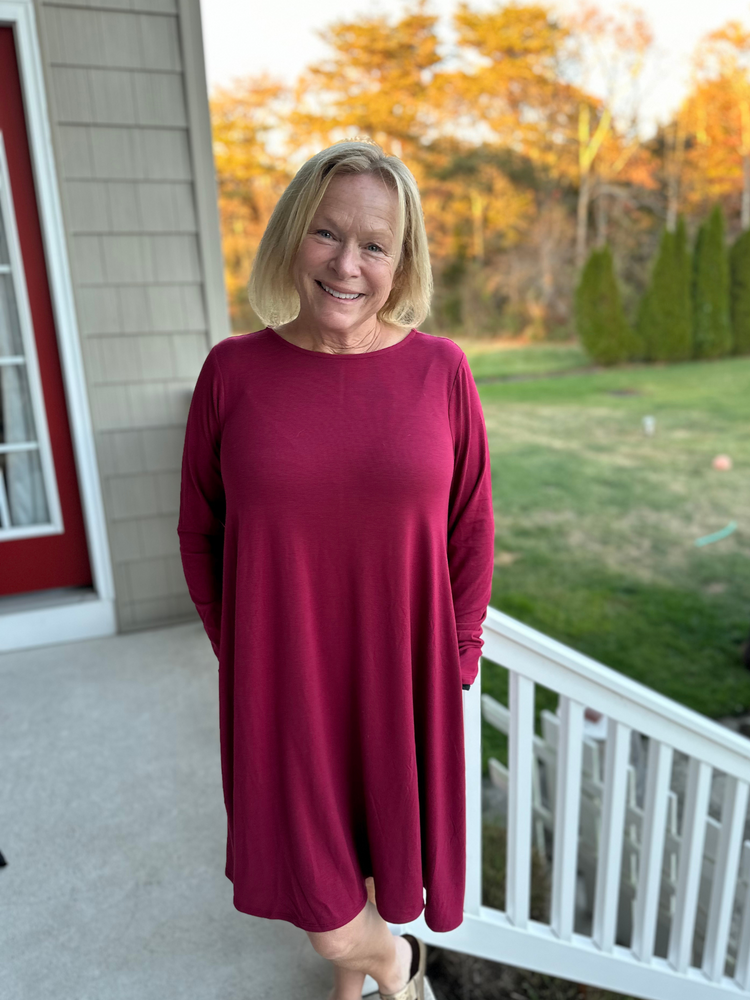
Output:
(507, 358)
(596, 522)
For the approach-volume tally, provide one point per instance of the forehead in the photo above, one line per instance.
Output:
(360, 200)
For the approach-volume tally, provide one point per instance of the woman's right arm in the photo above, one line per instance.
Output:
(202, 514)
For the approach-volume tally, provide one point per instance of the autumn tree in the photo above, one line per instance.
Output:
(250, 155)
(712, 336)
(716, 114)
(674, 144)
(510, 79)
(607, 57)
(507, 91)
(477, 208)
(376, 81)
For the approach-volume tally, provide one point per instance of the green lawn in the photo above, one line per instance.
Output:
(488, 360)
(596, 522)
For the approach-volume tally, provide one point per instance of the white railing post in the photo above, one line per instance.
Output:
(742, 966)
(652, 849)
(473, 755)
(725, 877)
(703, 847)
(610, 837)
(567, 816)
(520, 760)
(697, 795)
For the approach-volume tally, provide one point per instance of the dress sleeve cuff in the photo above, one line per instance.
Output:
(469, 653)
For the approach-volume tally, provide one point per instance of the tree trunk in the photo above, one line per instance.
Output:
(673, 163)
(602, 216)
(477, 217)
(672, 204)
(584, 196)
(745, 151)
(546, 247)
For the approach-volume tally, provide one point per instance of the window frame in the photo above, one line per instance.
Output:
(30, 361)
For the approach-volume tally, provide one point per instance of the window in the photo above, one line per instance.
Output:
(29, 504)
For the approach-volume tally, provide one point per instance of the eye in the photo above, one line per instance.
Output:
(374, 246)
(323, 232)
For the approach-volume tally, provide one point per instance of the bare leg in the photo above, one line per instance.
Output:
(348, 982)
(364, 945)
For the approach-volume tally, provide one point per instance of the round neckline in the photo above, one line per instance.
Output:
(359, 354)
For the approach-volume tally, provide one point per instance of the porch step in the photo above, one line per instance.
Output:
(428, 994)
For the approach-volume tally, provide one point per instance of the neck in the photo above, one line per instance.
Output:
(371, 336)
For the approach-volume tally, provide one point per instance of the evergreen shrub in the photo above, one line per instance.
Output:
(712, 332)
(600, 319)
(739, 269)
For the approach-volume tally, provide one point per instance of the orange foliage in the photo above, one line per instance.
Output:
(251, 171)
(716, 116)
(527, 112)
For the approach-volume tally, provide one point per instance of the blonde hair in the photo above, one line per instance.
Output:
(271, 288)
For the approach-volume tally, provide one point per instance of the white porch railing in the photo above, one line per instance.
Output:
(631, 968)
(545, 764)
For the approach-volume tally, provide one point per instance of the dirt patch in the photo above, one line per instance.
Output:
(506, 558)
(455, 976)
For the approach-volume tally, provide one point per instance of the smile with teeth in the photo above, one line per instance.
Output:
(338, 295)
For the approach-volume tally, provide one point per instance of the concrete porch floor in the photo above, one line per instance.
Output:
(113, 829)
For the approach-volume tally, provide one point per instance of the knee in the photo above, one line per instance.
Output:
(334, 945)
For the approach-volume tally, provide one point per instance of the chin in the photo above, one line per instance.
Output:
(338, 317)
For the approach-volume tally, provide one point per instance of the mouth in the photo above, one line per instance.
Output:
(339, 296)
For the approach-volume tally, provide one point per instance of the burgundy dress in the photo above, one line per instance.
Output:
(337, 538)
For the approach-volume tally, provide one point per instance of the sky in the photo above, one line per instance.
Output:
(278, 36)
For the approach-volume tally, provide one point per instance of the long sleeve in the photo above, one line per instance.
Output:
(202, 502)
(471, 523)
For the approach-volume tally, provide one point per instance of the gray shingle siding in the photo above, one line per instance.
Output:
(115, 82)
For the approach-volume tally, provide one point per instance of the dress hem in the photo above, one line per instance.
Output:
(289, 920)
(323, 930)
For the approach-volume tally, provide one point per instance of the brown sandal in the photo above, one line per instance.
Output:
(414, 989)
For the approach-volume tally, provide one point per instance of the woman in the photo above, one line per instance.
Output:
(337, 537)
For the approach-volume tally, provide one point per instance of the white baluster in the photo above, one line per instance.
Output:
(742, 966)
(567, 815)
(610, 840)
(520, 751)
(473, 758)
(725, 877)
(690, 863)
(652, 849)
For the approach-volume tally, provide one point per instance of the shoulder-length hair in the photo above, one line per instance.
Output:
(271, 288)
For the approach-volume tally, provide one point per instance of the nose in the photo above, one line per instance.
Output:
(345, 263)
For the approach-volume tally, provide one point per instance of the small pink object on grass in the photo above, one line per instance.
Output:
(722, 462)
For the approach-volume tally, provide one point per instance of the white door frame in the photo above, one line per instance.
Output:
(25, 622)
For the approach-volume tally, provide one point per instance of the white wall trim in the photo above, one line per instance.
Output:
(48, 624)
(204, 174)
(20, 15)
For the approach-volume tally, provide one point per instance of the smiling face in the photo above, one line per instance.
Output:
(347, 259)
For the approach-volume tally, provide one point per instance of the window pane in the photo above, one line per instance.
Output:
(16, 417)
(24, 487)
(10, 331)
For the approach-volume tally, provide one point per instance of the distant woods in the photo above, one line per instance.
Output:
(544, 193)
